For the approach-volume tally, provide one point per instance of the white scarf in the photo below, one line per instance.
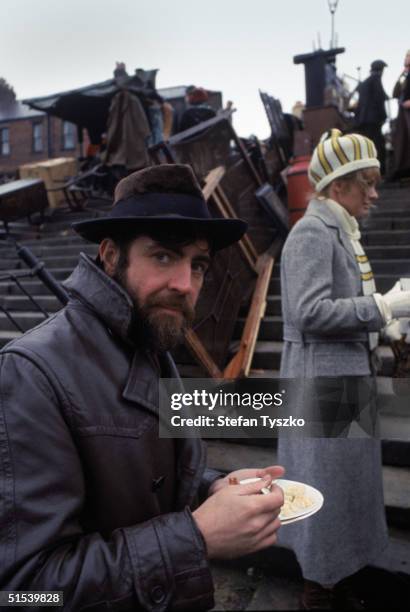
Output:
(350, 226)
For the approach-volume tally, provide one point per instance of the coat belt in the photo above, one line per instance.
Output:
(291, 334)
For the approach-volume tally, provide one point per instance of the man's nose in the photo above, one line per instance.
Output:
(181, 279)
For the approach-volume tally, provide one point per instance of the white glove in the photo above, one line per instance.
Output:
(395, 289)
(394, 304)
(392, 331)
(405, 329)
(398, 302)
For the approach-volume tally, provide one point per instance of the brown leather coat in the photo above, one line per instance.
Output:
(93, 502)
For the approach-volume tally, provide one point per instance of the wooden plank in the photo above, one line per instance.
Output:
(240, 364)
(212, 181)
(197, 348)
(231, 211)
(254, 173)
(243, 244)
(223, 115)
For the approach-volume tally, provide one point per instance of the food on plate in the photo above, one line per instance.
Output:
(296, 500)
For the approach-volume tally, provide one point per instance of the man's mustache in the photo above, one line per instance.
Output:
(174, 302)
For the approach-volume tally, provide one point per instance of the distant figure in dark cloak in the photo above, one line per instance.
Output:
(371, 111)
(401, 139)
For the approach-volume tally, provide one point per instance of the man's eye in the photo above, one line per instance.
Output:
(162, 257)
(200, 267)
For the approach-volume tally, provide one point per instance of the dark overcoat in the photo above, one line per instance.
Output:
(93, 502)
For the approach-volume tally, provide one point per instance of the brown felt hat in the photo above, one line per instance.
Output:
(162, 198)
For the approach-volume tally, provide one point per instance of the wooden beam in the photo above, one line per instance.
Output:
(253, 171)
(195, 345)
(212, 180)
(231, 211)
(223, 115)
(240, 364)
(243, 243)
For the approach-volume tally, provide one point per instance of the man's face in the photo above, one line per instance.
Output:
(164, 283)
(358, 196)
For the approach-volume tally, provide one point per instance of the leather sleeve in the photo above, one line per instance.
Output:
(155, 565)
(208, 478)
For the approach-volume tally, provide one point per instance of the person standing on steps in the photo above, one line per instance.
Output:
(332, 315)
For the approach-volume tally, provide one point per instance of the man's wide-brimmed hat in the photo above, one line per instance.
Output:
(165, 198)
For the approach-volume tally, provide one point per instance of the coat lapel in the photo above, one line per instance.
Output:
(142, 384)
(320, 210)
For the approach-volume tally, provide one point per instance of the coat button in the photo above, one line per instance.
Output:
(157, 594)
(157, 483)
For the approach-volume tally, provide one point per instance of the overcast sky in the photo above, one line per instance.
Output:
(236, 46)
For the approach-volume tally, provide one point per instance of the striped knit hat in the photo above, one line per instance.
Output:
(336, 155)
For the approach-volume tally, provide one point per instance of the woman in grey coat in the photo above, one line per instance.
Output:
(332, 317)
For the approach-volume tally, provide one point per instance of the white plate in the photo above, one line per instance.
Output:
(315, 495)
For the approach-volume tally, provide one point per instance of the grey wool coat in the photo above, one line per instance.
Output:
(326, 324)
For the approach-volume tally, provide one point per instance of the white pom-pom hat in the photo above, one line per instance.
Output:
(338, 154)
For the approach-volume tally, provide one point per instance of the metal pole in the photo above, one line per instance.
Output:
(332, 4)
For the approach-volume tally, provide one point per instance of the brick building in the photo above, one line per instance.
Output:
(28, 135)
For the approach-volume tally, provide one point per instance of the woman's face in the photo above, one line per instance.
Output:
(359, 194)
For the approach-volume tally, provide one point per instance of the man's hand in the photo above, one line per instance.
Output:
(275, 471)
(406, 104)
(237, 519)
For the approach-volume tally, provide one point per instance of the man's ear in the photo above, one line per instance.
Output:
(109, 254)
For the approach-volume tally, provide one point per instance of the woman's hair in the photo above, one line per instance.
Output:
(360, 177)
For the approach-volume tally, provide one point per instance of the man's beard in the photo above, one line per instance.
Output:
(154, 329)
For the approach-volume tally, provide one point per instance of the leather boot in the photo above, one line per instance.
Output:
(316, 597)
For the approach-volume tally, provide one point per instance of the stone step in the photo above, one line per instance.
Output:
(25, 320)
(387, 223)
(70, 238)
(21, 302)
(379, 237)
(274, 287)
(7, 336)
(267, 355)
(58, 273)
(41, 251)
(271, 328)
(401, 267)
(388, 252)
(273, 305)
(51, 262)
(34, 287)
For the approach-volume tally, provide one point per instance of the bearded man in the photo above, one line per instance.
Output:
(94, 503)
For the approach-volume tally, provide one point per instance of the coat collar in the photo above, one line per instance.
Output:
(92, 286)
(114, 307)
(319, 209)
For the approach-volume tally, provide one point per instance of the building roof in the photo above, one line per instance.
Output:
(18, 110)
